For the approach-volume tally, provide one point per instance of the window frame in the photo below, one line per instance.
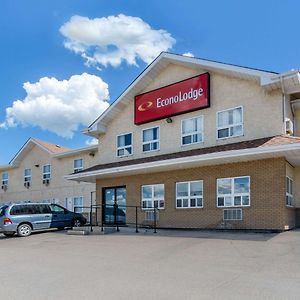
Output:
(6, 180)
(201, 117)
(152, 199)
(229, 126)
(232, 194)
(27, 176)
(75, 170)
(124, 147)
(46, 173)
(151, 142)
(287, 192)
(80, 210)
(189, 197)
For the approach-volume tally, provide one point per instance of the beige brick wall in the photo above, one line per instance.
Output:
(267, 210)
(262, 113)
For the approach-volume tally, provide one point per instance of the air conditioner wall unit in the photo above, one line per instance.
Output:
(27, 184)
(46, 181)
(4, 187)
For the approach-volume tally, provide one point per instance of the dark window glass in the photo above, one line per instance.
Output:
(2, 210)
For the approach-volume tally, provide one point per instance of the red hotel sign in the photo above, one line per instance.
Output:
(178, 98)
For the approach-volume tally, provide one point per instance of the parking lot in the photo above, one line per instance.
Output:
(166, 265)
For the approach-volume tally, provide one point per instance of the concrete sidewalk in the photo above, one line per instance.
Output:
(166, 265)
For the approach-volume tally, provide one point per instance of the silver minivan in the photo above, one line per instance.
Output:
(26, 217)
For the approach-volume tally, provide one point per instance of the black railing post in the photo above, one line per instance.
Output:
(154, 220)
(102, 215)
(136, 219)
(91, 218)
(116, 217)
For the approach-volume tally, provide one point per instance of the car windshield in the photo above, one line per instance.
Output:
(2, 210)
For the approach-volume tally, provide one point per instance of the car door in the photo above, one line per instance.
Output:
(40, 216)
(60, 216)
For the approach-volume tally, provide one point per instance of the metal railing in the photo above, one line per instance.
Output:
(119, 216)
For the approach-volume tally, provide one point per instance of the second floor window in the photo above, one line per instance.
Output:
(192, 131)
(27, 175)
(46, 173)
(78, 165)
(150, 139)
(5, 178)
(230, 123)
(124, 145)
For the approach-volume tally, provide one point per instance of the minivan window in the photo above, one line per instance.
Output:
(2, 210)
(57, 209)
(19, 210)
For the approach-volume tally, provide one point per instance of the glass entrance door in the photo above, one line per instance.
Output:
(114, 205)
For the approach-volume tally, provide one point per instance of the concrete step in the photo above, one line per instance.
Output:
(87, 230)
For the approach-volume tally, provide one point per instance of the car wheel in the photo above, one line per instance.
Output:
(76, 223)
(9, 234)
(24, 230)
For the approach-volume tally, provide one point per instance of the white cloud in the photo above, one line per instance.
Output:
(91, 142)
(189, 54)
(112, 40)
(59, 106)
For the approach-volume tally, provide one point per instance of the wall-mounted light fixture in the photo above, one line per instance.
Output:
(169, 120)
(37, 166)
(92, 154)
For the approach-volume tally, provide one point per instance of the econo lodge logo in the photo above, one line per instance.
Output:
(145, 106)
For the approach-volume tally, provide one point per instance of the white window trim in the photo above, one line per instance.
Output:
(77, 169)
(27, 176)
(47, 172)
(195, 132)
(288, 194)
(4, 181)
(189, 195)
(80, 210)
(232, 194)
(123, 147)
(152, 199)
(153, 141)
(230, 126)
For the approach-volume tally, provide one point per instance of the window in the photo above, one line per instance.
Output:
(151, 139)
(78, 165)
(27, 175)
(153, 196)
(192, 131)
(289, 192)
(233, 191)
(5, 178)
(46, 173)
(230, 123)
(78, 204)
(232, 214)
(124, 145)
(189, 194)
(57, 209)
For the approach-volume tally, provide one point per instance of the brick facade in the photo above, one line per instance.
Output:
(267, 209)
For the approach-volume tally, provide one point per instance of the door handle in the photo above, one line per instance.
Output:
(54, 215)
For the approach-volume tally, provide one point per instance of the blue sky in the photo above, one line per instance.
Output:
(69, 51)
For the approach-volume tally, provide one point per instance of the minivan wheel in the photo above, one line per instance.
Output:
(9, 234)
(24, 230)
(76, 223)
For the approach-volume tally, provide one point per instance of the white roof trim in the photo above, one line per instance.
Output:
(273, 150)
(27, 143)
(93, 148)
